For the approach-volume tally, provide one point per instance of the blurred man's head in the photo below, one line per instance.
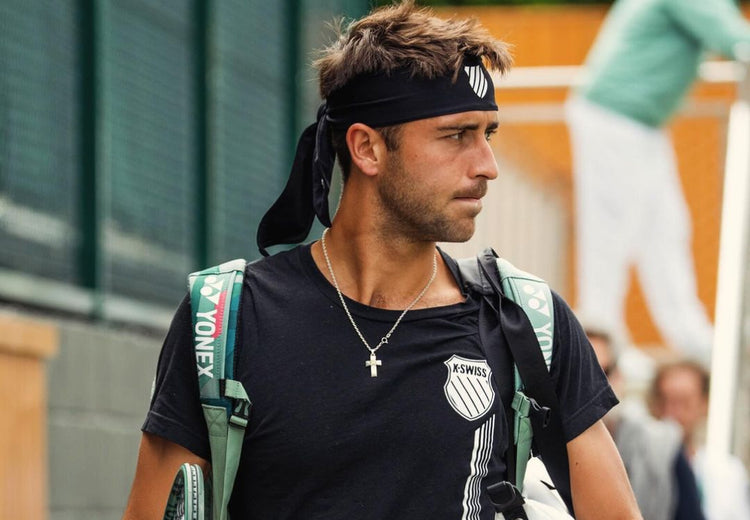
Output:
(679, 391)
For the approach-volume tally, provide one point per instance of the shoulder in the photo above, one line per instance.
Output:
(571, 347)
(567, 326)
(562, 310)
(279, 266)
(279, 260)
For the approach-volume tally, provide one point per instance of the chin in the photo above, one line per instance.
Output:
(458, 234)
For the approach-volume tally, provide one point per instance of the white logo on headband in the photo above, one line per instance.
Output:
(477, 80)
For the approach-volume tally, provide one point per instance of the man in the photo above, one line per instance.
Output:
(679, 391)
(629, 204)
(343, 425)
(652, 450)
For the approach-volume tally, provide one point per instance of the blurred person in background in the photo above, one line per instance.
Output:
(679, 391)
(629, 203)
(651, 449)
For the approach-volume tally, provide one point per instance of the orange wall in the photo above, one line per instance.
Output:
(562, 35)
(24, 347)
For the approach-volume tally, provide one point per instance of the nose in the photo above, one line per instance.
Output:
(486, 164)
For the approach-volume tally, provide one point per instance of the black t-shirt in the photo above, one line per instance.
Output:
(326, 440)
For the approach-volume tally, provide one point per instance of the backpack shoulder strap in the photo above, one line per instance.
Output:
(526, 313)
(535, 298)
(533, 295)
(215, 300)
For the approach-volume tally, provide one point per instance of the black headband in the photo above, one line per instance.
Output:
(376, 100)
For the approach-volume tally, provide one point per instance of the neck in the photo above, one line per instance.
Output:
(384, 272)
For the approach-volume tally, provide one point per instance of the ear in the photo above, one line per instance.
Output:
(366, 147)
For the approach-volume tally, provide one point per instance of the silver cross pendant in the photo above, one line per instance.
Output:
(373, 363)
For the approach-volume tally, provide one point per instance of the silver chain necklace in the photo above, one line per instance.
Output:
(373, 363)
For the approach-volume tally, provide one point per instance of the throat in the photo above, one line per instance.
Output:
(439, 297)
(391, 302)
(379, 301)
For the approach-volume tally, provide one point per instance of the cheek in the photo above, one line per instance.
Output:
(431, 168)
(673, 409)
(427, 177)
(697, 409)
(435, 154)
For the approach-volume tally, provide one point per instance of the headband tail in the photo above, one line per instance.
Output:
(290, 218)
(322, 167)
(306, 193)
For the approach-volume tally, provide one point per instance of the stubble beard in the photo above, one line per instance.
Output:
(412, 210)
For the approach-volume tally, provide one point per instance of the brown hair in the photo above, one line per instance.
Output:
(403, 36)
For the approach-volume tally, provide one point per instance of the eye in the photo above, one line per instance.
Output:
(457, 136)
(489, 133)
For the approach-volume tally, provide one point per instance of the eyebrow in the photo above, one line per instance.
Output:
(469, 126)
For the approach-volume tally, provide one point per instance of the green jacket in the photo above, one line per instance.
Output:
(647, 53)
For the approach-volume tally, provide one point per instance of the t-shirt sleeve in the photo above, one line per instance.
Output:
(175, 412)
(582, 388)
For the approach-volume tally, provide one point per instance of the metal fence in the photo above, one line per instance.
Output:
(140, 140)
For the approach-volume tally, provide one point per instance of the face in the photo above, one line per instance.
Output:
(434, 181)
(681, 398)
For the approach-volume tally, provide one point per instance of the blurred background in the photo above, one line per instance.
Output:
(144, 139)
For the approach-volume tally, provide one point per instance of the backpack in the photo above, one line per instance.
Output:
(214, 295)
(523, 305)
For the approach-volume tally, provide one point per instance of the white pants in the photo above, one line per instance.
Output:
(630, 211)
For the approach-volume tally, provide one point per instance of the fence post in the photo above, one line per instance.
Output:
(732, 278)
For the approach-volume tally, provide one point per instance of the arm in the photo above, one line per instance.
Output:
(717, 24)
(174, 429)
(158, 462)
(598, 481)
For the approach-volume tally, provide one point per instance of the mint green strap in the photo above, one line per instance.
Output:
(523, 434)
(226, 436)
(234, 439)
(215, 295)
(534, 296)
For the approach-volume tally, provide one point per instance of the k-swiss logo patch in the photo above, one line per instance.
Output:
(477, 80)
(469, 387)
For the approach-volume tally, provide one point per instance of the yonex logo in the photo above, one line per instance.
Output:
(536, 299)
(477, 80)
(208, 325)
